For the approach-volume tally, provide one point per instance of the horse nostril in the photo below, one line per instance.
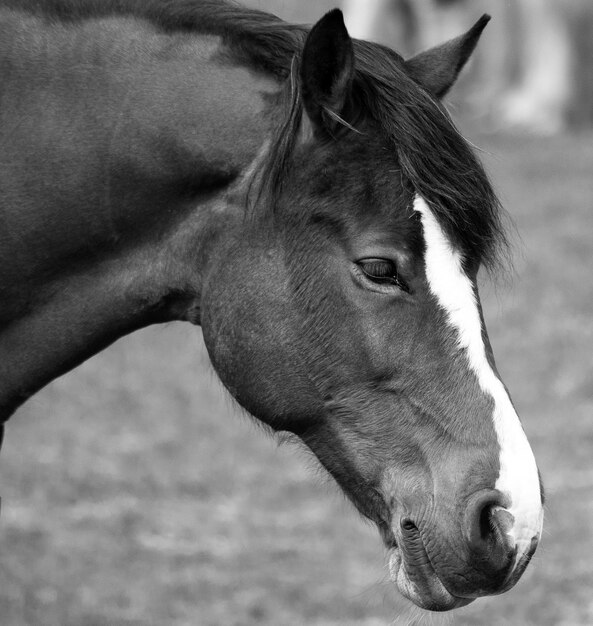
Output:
(487, 521)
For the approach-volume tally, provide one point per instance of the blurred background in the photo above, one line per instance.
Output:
(136, 493)
(533, 71)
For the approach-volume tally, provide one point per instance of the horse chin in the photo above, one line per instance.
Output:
(421, 585)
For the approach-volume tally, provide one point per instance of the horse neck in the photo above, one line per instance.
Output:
(113, 191)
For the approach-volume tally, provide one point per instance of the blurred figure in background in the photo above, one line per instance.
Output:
(533, 69)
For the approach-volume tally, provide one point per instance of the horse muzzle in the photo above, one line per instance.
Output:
(415, 576)
(440, 570)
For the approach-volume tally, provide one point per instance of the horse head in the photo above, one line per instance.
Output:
(344, 308)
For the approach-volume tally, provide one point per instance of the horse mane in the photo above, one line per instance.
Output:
(435, 159)
(265, 40)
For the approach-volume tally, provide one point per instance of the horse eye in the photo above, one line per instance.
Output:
(378, 268)
(383, 272)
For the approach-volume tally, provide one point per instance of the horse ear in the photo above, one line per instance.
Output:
(437, 69)
(327, 69)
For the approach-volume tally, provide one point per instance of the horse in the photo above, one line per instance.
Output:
(307, 200)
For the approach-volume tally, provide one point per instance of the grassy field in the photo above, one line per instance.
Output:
(135, 493)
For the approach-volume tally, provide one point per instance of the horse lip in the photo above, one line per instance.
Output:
(420, 583)
(520, 566)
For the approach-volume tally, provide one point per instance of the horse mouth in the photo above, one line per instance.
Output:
(416, 579)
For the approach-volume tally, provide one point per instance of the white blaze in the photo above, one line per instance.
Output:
(452, 288)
